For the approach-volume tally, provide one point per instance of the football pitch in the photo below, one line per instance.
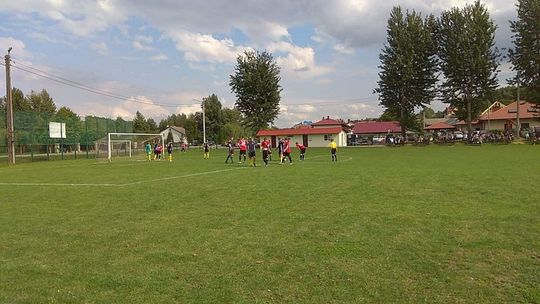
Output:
(437, 224)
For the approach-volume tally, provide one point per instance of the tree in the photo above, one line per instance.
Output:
(256, 85)
(20, 102)
(152, 126)
(140, 125)
(525, 56)
(214, 117)
(42, 102)
(122, 125)
(469, 60)
(408, 67)
(72, 121)
(507, 94)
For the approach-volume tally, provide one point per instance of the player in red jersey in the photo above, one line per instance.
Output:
(302, 149)
(242, 144)
(286, 151)
(265, 147)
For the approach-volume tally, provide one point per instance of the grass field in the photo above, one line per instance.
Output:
(409, 225)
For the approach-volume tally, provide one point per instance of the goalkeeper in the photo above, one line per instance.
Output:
(148, 150)
(169, 151)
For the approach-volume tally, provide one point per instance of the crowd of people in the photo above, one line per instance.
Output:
(247, 150)
(248, 147)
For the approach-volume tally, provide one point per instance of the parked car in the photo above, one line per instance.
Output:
(459, 135)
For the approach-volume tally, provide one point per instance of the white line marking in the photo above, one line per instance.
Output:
(178, 176)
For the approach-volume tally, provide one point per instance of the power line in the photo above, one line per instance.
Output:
(78, 85)
(81, 86)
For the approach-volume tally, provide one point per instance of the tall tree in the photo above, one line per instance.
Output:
(20, 102)
(214, 117)
(152, 125)
(140, 125)
(256, 85)
(525, 56)
(72, 121)
(408, 66)
(469, 60)
(41, 102)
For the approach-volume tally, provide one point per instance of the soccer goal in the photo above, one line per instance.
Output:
(125, 144)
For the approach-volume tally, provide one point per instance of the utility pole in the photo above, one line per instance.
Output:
(517, 108)
(9, 112)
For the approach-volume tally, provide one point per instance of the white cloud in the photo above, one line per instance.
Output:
(205, 48)
(143, 43)
(341, 48)
(127, 109)
(299, 61)
(19, 48)
(159, 57)
(100, 47)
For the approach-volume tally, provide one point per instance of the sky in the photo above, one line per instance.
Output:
(159, 57)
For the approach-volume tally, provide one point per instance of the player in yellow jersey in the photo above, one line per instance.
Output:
(333, 149)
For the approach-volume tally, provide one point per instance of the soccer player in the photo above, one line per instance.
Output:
(169, 151)
(302, 149)
(333, 149)
(265, 147)
(242, 144)
(230, 150)
(280, 150)
(159, 151)
(156, 145)
(206, 151)
(148, 150)
(286, 151)
(251, 146)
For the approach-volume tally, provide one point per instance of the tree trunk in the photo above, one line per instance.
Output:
(469, 118)
(403, 129)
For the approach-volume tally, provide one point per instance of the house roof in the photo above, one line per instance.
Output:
(371, 127)
(508, 112)
(178, 129)
(430, 121)
(327, 122)
(299, 131)
(440, 126)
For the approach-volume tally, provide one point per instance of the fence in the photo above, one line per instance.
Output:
(32, 141)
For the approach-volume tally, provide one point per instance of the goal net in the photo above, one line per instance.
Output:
(116, 145)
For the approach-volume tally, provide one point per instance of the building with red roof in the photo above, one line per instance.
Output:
(317, 134)
(504, 117)
(376, 128)
(373, 132)
(440, 126)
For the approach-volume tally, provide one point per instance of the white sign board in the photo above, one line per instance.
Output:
(57, 130)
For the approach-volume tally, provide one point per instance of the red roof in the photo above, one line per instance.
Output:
(464, 123)
(526, 110)
(372, 127)
(327, 122)
(440, 126)
(299, 131)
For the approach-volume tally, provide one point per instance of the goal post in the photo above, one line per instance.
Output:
(130, 141)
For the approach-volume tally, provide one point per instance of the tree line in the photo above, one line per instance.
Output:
(453, 57)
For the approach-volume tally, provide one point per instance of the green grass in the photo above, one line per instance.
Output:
(409, 225)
